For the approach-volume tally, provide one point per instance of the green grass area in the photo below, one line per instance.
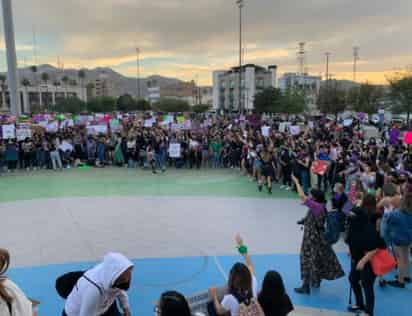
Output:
(129, 182)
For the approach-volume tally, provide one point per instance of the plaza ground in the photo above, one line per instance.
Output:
(178, 227)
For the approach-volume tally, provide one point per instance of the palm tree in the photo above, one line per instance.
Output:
(82, 75)
(3, 79)
(26, 83)
(34, 71)
(65, 80)
(45, 78)
(56, 84)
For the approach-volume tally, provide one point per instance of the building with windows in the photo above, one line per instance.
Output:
(310, 85)
(186, 91)
(41, 96)
(254, 79)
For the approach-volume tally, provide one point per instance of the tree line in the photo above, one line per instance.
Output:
(334, 99)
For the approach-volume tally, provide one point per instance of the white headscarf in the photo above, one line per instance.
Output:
(106, 273)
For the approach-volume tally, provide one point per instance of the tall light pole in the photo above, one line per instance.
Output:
(327, 67)
(240, 4)
(11, 57)
(138, 73)
(355, 61)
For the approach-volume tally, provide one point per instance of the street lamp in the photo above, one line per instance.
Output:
(240, 4)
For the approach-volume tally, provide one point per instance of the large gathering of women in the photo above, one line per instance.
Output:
(356, 187)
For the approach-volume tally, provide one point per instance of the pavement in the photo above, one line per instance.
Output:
(177, 227)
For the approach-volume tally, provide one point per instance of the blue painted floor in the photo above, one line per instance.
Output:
(195, 274)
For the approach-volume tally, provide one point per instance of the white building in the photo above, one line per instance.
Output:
(42, 96)
(254, 80)
(309, 84)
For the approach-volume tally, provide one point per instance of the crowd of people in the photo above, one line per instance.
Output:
(361, 190)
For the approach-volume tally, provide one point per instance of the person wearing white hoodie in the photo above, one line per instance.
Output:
(97, 291)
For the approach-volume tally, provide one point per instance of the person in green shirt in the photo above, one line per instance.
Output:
(216, 149)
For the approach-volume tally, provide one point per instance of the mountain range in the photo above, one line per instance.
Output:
(121, 84)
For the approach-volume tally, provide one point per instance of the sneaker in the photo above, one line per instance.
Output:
(396, 283)
(270, 190)
(283, 186)
(288, 188)
(260, 188)
(406, 279)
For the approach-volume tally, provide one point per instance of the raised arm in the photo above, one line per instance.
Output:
(301, 194)
(244, 252)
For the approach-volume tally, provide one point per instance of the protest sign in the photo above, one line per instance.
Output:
(52, 127)
(187, 124)
(96, 129)
(265, 131)
(149, 123)
(283, 126)
(174, 150)
(408, 138)
(23, 133)
(319, 167)
(177, 127)
(294, 130)
(347, 122)
(9, 131)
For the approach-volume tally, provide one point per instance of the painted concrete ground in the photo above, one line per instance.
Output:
(172, 225)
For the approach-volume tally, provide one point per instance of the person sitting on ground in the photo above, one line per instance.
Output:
(13, 302)
(172, 304)
(96, 292)
(242, 285)
(273, 297)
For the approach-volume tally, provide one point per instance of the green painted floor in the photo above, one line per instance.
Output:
(129, 182)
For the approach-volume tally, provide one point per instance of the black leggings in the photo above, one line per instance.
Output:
(365, 280)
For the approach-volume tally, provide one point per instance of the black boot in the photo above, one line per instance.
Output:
(301, 222)
(305, 289)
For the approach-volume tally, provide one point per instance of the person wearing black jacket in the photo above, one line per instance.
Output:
(363, 240)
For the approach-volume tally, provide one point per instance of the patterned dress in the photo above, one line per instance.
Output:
(318, 261)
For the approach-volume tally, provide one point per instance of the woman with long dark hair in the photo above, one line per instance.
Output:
(242, 286)
(172, 304)
(363, 240)
(273, 297)
(318, 261)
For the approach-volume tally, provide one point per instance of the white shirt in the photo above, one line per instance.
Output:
(21, 305)
(87, 300)
(230, 303)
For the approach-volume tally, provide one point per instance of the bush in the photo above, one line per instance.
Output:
(171, 105)
(70, 105)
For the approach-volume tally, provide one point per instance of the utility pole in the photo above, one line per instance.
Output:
(138, 73)
(327, 67)
(11, 57)
(240, 4)
(355, 61)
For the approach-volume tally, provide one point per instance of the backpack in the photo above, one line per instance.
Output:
(253, 309)
(66, 283)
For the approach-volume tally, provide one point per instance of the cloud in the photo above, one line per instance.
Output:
(189, 37)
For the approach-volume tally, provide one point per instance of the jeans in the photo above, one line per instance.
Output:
(304, 176)
(160, 159)
(216, 160)
(55, 159)
(365, 280)
(41, 158)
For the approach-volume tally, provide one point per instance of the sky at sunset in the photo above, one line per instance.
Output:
(190, 39)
